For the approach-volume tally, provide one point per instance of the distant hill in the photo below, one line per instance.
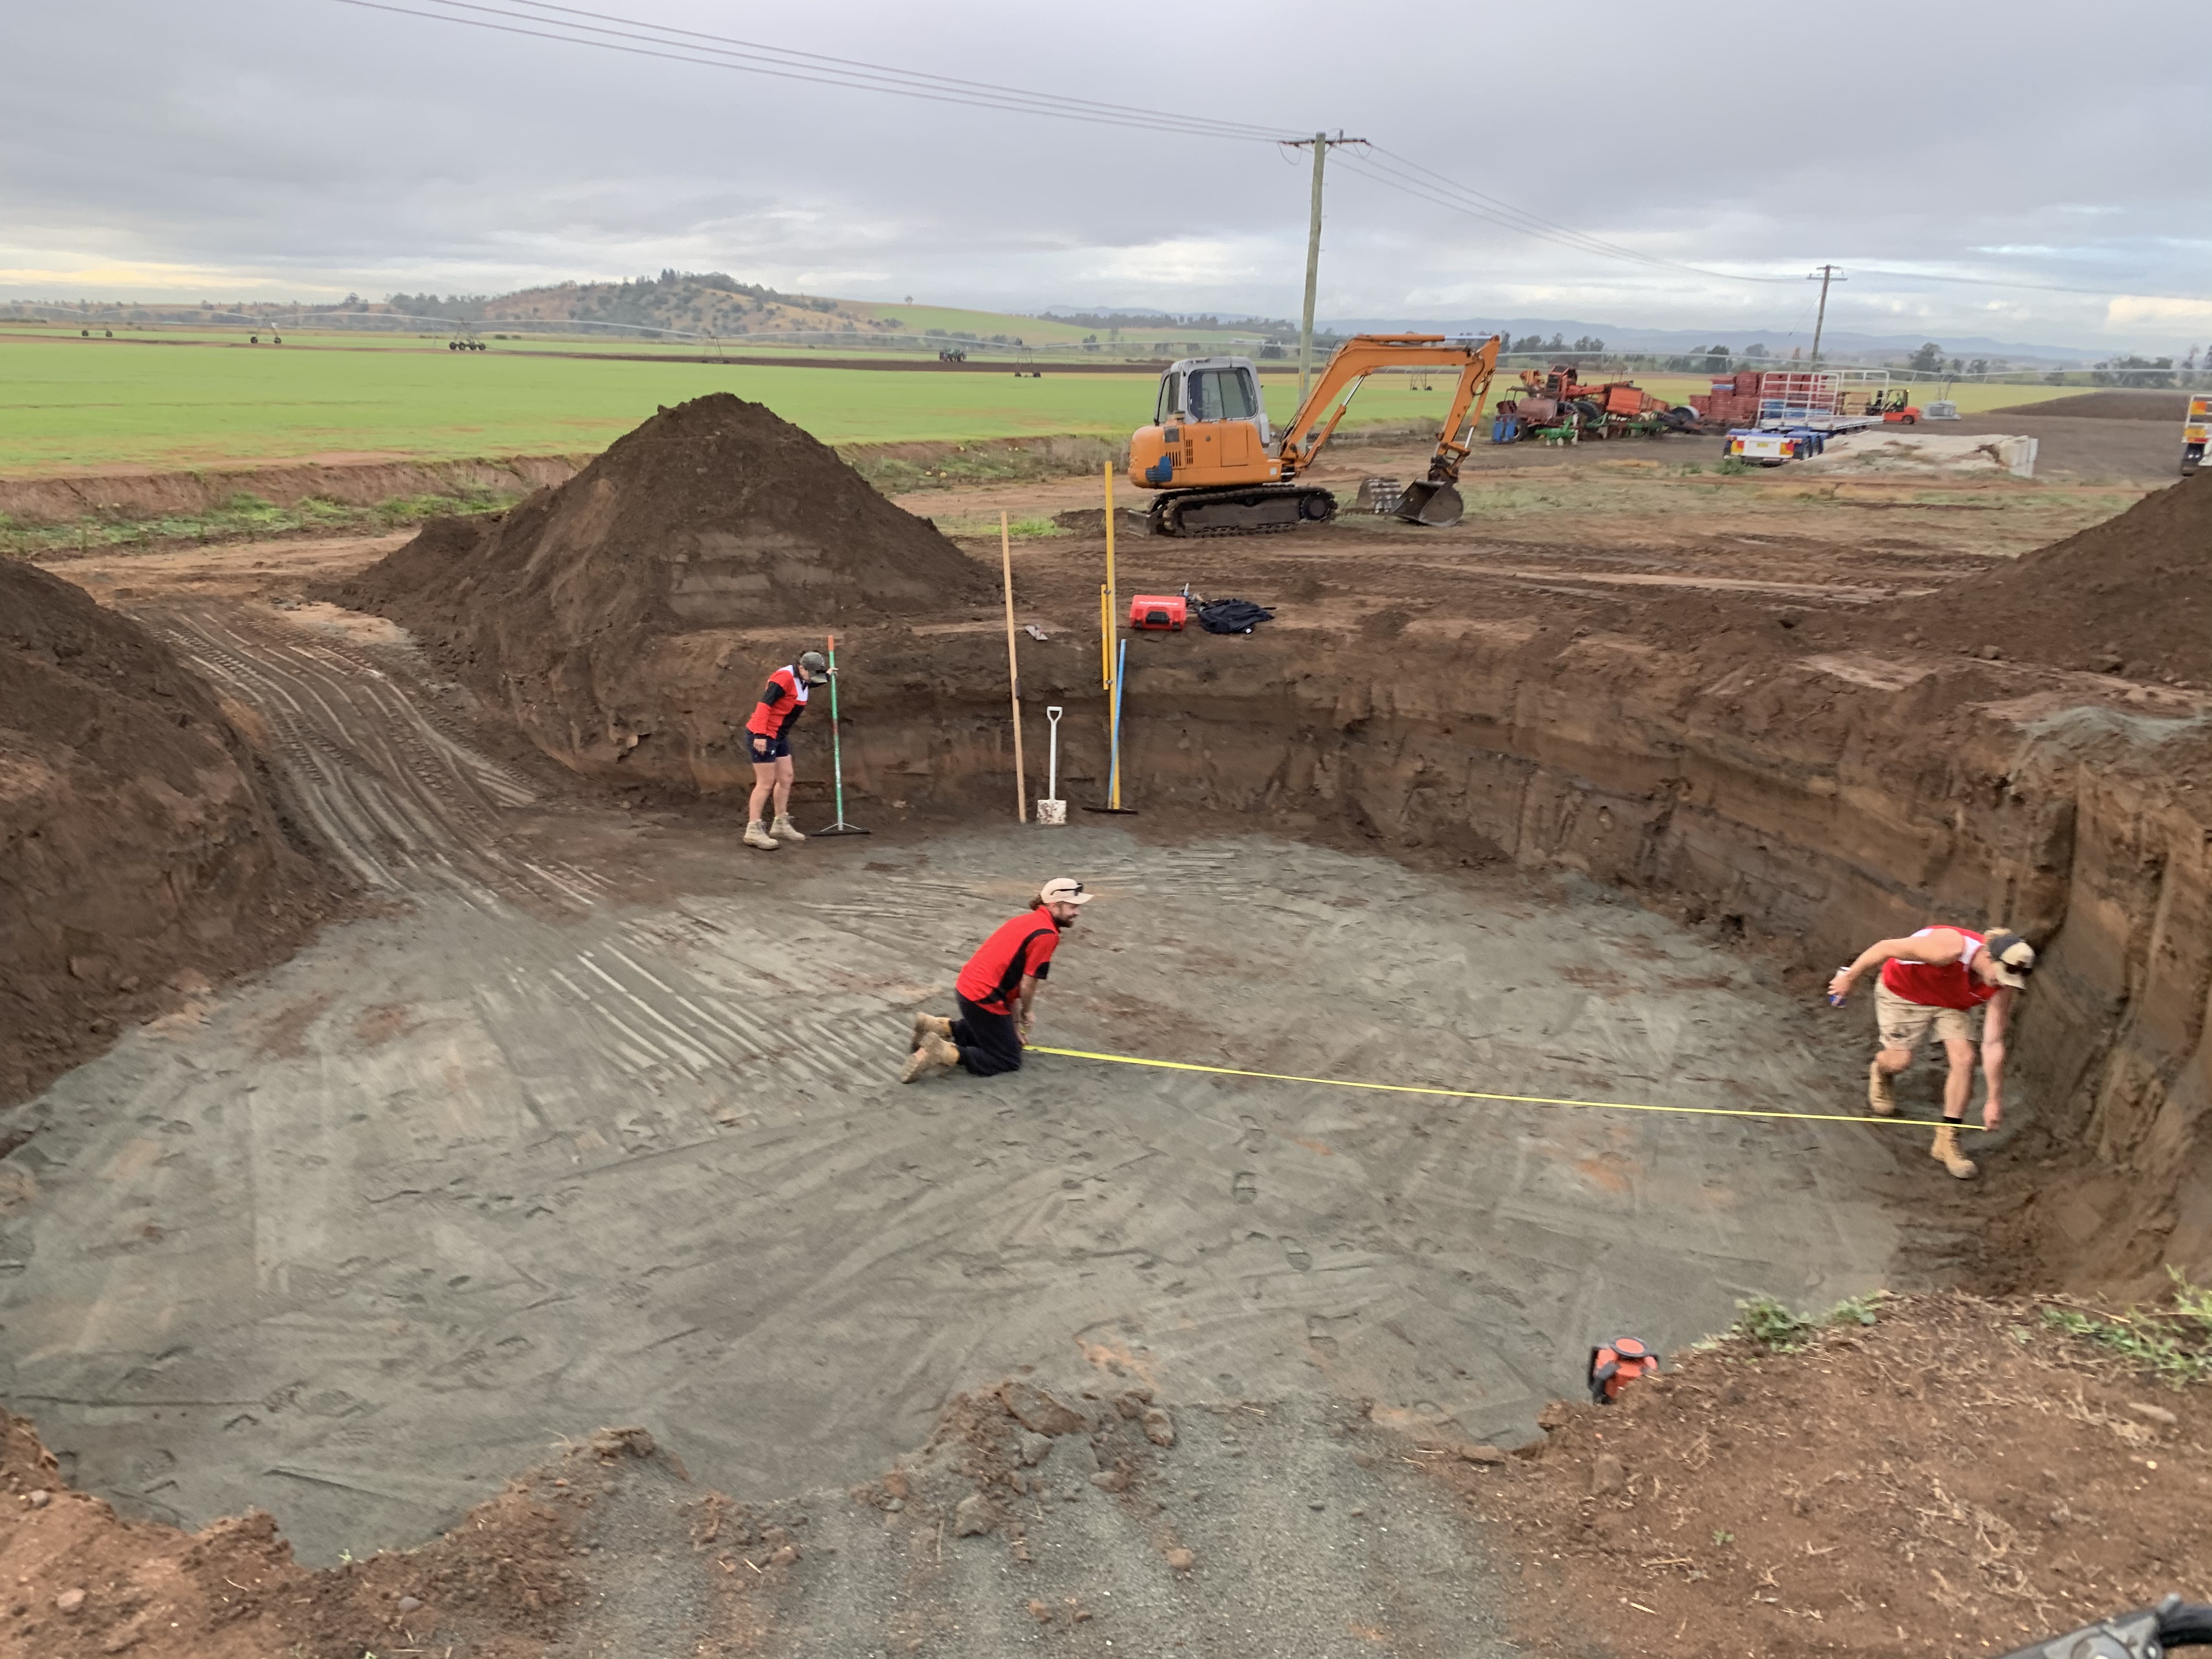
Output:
(683, 301)
(677, 306)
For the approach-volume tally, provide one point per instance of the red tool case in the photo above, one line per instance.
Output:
(1158, 612)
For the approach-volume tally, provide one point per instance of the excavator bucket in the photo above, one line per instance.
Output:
(1431, 501)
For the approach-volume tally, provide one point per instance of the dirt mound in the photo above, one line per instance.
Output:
(142, 851)
(1959, 1477)
(87, 1581)
(2109, 406)
(2132, 595)
(1091, 521)
(714, 515)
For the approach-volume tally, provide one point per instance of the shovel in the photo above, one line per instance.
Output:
(1431, 501)
(1052, 809)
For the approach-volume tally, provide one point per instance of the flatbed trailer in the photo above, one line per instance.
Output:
(1764, 446)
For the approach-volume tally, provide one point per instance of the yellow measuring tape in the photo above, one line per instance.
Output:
(1479, 1094)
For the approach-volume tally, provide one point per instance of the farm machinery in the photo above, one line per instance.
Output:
(1557, 407)
(2196, 435)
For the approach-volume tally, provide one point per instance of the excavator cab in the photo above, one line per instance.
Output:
(1209, 430)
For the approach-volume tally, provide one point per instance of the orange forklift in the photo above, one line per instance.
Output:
(1220, 470)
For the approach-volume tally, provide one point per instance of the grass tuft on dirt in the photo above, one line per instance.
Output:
(2173, 1344)
(1924, 1474)
(1768, 1323)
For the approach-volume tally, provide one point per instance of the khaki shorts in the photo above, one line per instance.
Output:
(1905, 1024)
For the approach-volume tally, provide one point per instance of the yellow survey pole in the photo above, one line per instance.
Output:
(1013, 670)
(1106, 616)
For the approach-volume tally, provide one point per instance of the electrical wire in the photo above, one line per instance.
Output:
(2006, 282)
(546, 20)
(714, 51)
(1264, 133)
(1435, 187)
(1399, 172)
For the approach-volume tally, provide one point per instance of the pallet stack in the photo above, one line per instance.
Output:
(1733, 400)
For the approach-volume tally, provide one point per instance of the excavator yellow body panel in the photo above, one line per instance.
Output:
(1199, 455)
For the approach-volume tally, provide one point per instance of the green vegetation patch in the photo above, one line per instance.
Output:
(2171, 1343)
(1769, 1324)
(245, 517)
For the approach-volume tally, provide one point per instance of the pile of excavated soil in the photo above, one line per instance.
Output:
(83, 1580)
(2109, 406)
(1958, 1478)
(142, 854)
(2131, 595)
(712, 515)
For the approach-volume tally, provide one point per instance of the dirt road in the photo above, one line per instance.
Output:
(596, 1120)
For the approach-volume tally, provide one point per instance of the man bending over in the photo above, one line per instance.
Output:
(1944, 977)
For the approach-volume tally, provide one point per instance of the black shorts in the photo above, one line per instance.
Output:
(764, 750)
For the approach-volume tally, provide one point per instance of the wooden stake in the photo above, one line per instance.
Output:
(1013, 670)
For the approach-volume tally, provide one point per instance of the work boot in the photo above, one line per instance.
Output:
(756, 835)
(1946, 1151)
(926, 1023)
(785, 829)
(933, 1056)
(1881, 1092)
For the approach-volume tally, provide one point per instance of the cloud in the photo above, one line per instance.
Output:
(297, 146)
(2132, 311)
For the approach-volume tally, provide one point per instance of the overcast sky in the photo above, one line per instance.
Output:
(302, 148)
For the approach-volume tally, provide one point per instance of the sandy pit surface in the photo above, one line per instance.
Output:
(595, 1118)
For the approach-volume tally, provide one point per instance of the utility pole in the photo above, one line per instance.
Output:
(1321, 142)
(1826, 274)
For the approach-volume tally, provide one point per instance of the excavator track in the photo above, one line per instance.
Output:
(1269, 510)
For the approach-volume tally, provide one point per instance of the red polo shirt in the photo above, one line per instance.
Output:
(1940, 984)
(1020, 949)
(781, 704)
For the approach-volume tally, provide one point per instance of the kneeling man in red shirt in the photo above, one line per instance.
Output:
(996, 991)
(1943, 977)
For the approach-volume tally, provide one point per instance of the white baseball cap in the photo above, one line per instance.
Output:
(1061, 890)
(2011, 957)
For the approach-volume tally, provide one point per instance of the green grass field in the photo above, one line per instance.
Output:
(71, 404)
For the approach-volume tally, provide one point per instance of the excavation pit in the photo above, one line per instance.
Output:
(590, 1116)
(354, 1244)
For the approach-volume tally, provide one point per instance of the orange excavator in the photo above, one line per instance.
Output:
(1220, 470)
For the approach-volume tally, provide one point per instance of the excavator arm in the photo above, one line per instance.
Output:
(1435, 499)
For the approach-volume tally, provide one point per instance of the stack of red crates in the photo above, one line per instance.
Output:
(1733, 400)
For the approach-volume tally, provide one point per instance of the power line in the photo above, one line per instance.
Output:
(1265, 134)
(545, 19)
(1456, 199)
(2040, 287)
(712, 51)
(1467, 199)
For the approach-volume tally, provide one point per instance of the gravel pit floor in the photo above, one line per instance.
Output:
(598, 1121)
